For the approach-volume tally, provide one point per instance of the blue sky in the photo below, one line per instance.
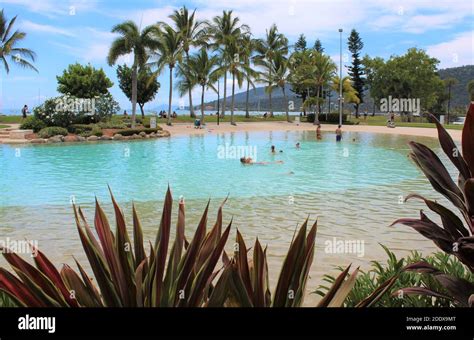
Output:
(62, 32)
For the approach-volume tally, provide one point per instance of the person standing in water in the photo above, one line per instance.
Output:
(319, 136)
(338, 133)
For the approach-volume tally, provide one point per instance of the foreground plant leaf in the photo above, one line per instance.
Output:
(455, 236)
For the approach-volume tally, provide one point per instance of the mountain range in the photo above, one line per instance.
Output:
(258, 99)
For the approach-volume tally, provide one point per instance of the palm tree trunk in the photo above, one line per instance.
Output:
(171, 96)
(303, 98)
(225, 94)
(319, 102)
(286, 104)
(232, 105)
(218, 95)
(247, 114)
(191, 108)
(134, 93)
(202, 105)
(270, 93)
(141, 109)
(449, 100)
(318, 108)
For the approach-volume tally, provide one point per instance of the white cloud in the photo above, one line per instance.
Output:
(54, 8)
(456, 52)
(34, 27)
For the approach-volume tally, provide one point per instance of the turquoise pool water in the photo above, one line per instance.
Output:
(197, 167)
(354, 188)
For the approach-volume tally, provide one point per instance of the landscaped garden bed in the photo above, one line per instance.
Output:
(102, 127)
(60, 135)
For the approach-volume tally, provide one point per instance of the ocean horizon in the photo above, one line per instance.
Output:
(17, 112)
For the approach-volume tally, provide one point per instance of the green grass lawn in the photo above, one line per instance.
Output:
(226, 119)
(375, 121)
(11, 119)
(382, 121)
(3, 126)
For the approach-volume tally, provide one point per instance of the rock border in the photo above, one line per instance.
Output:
(116, 137)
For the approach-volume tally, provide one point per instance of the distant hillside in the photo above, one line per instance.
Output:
(259, 99)
(464, 74)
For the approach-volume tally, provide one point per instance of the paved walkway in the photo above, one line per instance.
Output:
(5, 135)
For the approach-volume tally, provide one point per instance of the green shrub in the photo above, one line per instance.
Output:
(127, 120)
(51, 131)
(332, 118)
(86, 130)
(33, 123)
(80, 128)
(130, 132)
(112, 125)
(96, 131)
(67, 110)
(367, 282)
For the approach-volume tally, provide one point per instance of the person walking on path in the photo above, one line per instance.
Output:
(24, 111)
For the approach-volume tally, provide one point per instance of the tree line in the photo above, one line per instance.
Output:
(199, 54)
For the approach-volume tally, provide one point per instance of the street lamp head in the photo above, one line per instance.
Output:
(340, 30)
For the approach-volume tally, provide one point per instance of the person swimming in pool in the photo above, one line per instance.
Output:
(298, 145)
(338, 133)
(273, 149)
(250, 161)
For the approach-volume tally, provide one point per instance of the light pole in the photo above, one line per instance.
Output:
(340, 76)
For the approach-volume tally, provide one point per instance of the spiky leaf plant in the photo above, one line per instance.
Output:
(455, 234)
(125, 274)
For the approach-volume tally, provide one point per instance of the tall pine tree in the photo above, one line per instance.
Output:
(356, 72)
(318, 46)
(301, 43)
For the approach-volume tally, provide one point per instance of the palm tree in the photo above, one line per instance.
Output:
(300, 68)
(132, 40)
(349, 94)
(274, 43)
(248, 48)
(449, 83)
(280, 71)
(320, 70)
(192, 33)
(170, 53)
(238, 68)
(8, 46)
(201, 70)
(225, 30)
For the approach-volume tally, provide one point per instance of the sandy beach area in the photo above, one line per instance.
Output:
(188, 129)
